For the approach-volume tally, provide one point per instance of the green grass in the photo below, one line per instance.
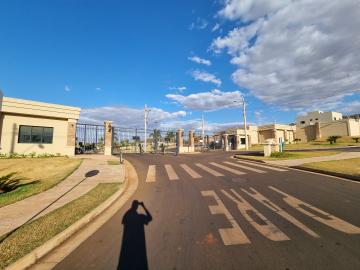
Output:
(36, 175)
(113, 162)
(291, 155)
(346, 166)
(34, 234)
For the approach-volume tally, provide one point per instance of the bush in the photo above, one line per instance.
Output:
(356, 139)
(31, 155)
(332, 139)
(9, 183)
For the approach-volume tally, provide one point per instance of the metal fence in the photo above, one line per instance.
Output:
(89, 138)
(132, 140)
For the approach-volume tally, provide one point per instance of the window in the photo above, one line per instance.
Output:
(302, 122)
(29, 134)
(316, 119)
(310, 120)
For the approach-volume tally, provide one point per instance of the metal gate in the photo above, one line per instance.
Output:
(132, 140)
(89, 138)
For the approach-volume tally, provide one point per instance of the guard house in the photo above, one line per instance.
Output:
(29, 126)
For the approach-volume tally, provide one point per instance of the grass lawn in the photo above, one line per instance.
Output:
(346, 166)
(37, 232)
(36, 174)
(291, 155)
(113, 162)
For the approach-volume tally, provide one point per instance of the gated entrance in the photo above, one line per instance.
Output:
(89, 138)
(131, 140)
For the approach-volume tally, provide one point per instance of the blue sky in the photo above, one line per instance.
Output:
(112, 57)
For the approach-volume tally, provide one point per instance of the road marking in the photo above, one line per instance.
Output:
(330, 220)
(227, 168)
(245, 167)
(209, 170)
(269, 204)
(266, 228)
(151, 173)
(170, 172)
(190, 171)
(229, 236)
(263, 166)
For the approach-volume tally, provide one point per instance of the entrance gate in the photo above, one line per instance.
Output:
(131, 140)
(89, 138)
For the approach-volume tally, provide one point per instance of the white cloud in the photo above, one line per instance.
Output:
(207, 101)
(199, 60)
(128, 117)
(199, 24)
(216, 27)
(98, 88)
(67, 88)
(178, 88)
(204, 76)
(248, 10)
(294, 54)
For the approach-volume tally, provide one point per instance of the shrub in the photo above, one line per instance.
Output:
(9, 183)
(356, 139)
(332, 139)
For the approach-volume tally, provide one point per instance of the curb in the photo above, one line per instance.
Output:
(38, 253)
(342, 175)
(244, 158)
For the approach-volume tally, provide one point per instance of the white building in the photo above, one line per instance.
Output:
(317, 117)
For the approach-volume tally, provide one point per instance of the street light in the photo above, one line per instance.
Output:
(146, 114)
(244, 114)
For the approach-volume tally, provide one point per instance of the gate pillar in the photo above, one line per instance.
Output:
(108, 138)
(191, 141)
(226, 144)
(179, 140)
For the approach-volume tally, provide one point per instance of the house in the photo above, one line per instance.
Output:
(30, 126)
(320, 125)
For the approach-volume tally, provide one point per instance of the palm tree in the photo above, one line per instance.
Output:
(170, 136)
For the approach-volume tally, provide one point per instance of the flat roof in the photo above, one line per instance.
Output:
(36, 108)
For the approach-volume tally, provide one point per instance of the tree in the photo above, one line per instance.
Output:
(332, 139)
(156, 135)
(170, 136)
(356, 139)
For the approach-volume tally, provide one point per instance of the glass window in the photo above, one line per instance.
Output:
(48, 135)
(24, 134)
(36, 134)
(29, 134)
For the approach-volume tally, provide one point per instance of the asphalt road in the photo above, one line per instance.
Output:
(280, 230)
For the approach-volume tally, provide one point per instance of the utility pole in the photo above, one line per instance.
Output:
(245, 128)
(203, 130)
(146, 113)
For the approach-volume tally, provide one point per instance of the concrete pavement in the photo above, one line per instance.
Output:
(94, 168)
(210, 211)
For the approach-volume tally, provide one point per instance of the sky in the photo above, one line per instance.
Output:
(184, 59)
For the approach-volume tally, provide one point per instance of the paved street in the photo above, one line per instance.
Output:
(210, 211)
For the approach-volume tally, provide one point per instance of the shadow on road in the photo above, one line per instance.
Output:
(133, 247)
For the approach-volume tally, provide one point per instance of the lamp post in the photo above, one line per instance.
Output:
(146, 114)
(245, 128)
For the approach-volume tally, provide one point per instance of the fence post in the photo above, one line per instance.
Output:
(226, 146)
(108, 138)
(179, 140)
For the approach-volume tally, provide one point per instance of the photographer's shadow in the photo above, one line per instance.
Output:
(133, 246)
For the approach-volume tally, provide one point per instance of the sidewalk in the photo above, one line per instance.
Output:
(298, 162)
(16, 214)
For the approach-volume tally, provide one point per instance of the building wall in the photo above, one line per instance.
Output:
(317, 116)
(10, 131)
(354, 127)
(337, 128)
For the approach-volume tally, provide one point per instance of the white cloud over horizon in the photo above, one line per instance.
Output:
(296, 55)
(204, 76)
(207, 101)
(128, 117)
(197, 59)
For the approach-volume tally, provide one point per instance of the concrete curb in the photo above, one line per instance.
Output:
(32, 257)
(342, 175)
(244, 158)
